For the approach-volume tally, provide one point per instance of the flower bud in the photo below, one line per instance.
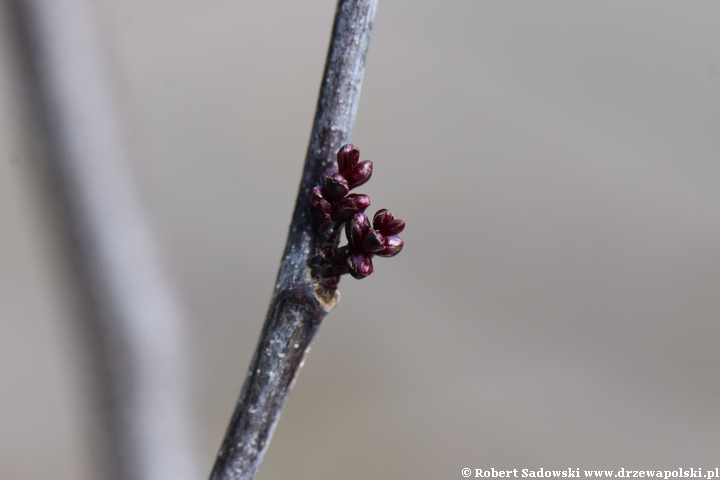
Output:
(360, 265)
(349, 206)
(336, 187)
(318, 201)
(373, 241)
(385, 223)
(360, 174)
(381, 218)
(316, 194)
(393, 245)
(347, 157)
(393, 227)
(356, 229)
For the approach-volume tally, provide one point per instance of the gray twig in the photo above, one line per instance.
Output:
(130, 317)
(299, 303)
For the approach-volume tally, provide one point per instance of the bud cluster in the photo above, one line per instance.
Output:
(334, 206)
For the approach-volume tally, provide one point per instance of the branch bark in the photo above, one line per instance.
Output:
(130, 320)
(299, 303)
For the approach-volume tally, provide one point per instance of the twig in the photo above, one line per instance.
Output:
(131, 318)
(299, 303)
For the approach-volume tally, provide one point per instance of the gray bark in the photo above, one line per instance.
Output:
(299, 304)
(131, 319)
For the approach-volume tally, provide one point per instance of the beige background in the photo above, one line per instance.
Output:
(556, 304)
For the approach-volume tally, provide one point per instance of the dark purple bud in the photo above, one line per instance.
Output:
(381, 218)
(354, 235)
(373, 242)
(316, 193)
(360, 174)
(347, 157)
(393, 227)
(385, 223)
(316, 196)
(393, 245)
(318, 201)
(349, 206)
(336, 187)
(356, 229)
(360, 265)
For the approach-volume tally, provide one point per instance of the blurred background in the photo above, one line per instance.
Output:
(557, 303)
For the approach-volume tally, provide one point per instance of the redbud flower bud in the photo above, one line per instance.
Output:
(381, 217)
(360, 265)
(360, 174)
(318, 201)
(349, 206)
(373, 241)
(385, 223)
(336, 187)
(356, 229)
(347, 157)
(393, 245)
(316, 194)
(394, 227)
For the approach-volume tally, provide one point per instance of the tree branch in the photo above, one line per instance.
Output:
(299, 303)
(130, 318)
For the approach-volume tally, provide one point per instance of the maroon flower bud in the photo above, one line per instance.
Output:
(356, 229)
(393, 245)
(394, 227)
(347, 157)
(360, 174)
(349, 206)
(381, 218)
(316, 194)
(360, 265)
(373, 241)
(336, 187)
(318, 201)
(385, 223)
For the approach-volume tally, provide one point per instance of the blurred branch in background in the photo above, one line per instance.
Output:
(299, 303)
(130, 318)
